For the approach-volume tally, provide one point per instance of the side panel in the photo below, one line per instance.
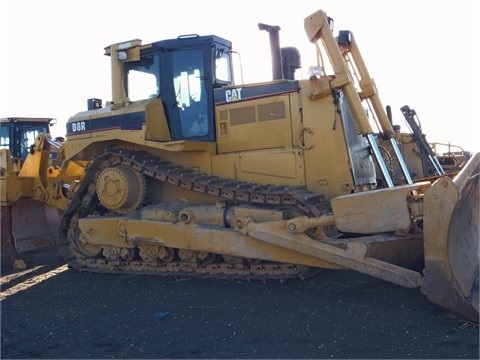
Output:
(255, 124)
(276, 166)
(254, 117)
(330, 167)
(256, 130)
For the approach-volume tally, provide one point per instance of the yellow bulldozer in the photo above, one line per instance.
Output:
(185, 172)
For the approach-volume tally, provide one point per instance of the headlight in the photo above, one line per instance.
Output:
(122, 55)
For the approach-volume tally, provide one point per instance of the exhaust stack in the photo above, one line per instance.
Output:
(277, 66)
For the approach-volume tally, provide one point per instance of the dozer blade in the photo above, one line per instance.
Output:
(27, 226)
(451, 241)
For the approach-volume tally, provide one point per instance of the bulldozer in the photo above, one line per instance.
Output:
(188, 173)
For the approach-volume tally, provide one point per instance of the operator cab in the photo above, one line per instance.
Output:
(182, 73)
(19, 134)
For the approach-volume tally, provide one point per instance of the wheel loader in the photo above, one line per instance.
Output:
(35, 223)
(189, 173)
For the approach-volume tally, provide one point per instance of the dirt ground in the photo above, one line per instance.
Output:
(51, 311)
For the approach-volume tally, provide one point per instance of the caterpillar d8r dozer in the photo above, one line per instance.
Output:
(192, 174)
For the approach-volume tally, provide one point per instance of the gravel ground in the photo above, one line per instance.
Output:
(51, 311)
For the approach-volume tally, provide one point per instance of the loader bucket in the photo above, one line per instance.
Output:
(8, 250)
(451, 241)
(27, 226)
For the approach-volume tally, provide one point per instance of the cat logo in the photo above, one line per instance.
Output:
(233, 95)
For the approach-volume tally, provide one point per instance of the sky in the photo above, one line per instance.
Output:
(421, 53)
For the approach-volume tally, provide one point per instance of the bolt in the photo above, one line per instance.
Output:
(239, 224)
(291, 227)
(122, 229)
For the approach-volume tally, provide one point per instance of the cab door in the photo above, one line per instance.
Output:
(190, 96)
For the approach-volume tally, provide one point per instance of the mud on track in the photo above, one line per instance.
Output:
(51, 311)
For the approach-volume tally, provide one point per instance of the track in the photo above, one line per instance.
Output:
(85, 203)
